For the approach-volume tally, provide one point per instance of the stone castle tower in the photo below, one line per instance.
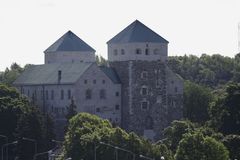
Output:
(151, 92)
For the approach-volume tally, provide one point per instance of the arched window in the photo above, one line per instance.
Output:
(149, 123)
(102, 94)
(88, 94)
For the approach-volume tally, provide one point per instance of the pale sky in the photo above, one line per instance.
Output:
(28, 27)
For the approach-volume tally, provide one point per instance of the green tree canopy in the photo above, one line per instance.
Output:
(19, 119)
(196, 146)
(225, 111)
(196, 102)
(86, 131)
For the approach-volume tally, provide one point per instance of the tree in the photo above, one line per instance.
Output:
(196, 146)
(86, 131)
(232, 142)
(174, 133)
(19, 119)
(196, 102)
(225, 111)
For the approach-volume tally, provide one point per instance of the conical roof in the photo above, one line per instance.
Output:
(137, 32)
(69, 42)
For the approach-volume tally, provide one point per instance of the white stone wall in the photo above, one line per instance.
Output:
(61, 57)
(107, 106)
(156, 51)
(55, 106)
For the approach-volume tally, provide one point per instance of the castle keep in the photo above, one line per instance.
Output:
(136, 91)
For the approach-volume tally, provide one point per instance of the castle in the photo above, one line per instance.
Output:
(136, 91)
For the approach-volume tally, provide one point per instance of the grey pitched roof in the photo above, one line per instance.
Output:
(69, 42)
(137, 32)
(48, 73)
(111, 73)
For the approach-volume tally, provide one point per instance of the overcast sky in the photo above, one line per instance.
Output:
(28, 27)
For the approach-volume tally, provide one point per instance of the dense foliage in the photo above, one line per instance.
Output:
(196, 104)
(86, 131)
(10, 74)
(208, 70)
(196, 146)
(18, 119)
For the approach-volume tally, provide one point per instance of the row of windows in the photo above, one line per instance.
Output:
(47, 95)
(117, 107)
(102, 94)
(137, 51)
(94, 81)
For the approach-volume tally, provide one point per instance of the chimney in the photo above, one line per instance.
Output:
(59, 75)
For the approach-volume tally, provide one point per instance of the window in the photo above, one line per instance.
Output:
(144, 75)
(149, 123)
(117, 107)
(52, 94)
(28, 93)
(115, 52)
(85, 81)
(176, 89)
(94, 81)
(69, 94)
(156, 51)
(117, 94)
(97, 109)
(35, 95)
(147, 51)
(102, 94)
(122, 51)
(62, 94)
(144, 105)
(88, 94)
(103, 81)
(138, 51)
(46, 94)
(41, 94)
(144, 90)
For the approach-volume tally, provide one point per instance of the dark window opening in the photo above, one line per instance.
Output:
(102, 94)
(88, 94)
(62, 94)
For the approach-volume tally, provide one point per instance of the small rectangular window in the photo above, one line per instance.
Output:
(138, 51)
(94, 81)
(144, 105)
(46, 94)
(85, 81)
(147, 51)
(102, 94)
(117, 107)
(62, 94)
(97, 109)
(144, 91)
(88, 94)
(144, 75)
(52, 94)
(69, 94)
(117, 94)
(103, 81)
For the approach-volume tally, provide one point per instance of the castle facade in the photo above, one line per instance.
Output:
(136, 91)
